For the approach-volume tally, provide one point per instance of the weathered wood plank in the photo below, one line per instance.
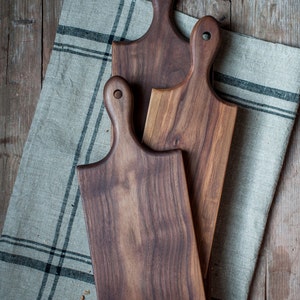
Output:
(27, 34)
(21, 88)
(275, 21)
(4, 41)
(4, 12)
(277, 274)
(219, 9)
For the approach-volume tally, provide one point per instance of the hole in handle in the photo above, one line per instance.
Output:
(118, 94)
(206, 36)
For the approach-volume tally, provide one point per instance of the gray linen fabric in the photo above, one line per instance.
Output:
(44, 253)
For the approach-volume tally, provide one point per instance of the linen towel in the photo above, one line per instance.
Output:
(44, 252)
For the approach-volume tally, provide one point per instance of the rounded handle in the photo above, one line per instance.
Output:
(118, 101)
(162, 8)
(205, 41)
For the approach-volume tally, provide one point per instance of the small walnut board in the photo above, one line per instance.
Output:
(192, 118)
(159, 59)
(138, 216)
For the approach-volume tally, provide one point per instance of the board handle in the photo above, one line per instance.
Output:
(205, 42)
(162, 9)
(118, 100)
(163, 21)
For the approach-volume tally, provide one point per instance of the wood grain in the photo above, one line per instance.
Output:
(20, 85)
(246, 18)
(219, 9)
(138, 216)
(159, 59)
(192, 118)
(27, 31)
(5, 190)
(4, 30)
(274, 21)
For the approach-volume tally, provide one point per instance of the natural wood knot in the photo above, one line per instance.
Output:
(177, 141)
(118, 94)
(24, 22)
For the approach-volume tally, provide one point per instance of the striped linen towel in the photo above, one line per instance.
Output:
(44, 252)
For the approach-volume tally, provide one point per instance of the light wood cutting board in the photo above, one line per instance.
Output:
(192, 118)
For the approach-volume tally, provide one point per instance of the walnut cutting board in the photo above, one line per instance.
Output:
(159, 59)
(192, 118)
(138, 216)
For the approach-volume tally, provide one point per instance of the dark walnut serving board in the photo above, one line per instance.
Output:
(192, 118)
(138, 216)
(159, 59)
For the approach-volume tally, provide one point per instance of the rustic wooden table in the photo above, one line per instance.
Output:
(27, 31)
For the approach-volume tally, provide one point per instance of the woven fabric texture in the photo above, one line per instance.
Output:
(44, 252)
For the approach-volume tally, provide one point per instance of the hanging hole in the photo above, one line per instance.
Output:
(118, 94)
(206, 36)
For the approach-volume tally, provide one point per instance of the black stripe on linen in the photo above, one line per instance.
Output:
(96, 128)
(273, 110)
(77, 198)
(80, 54)
(28, 244)
(87, 34)
(85, 52)
(227, 79)
(256, 88)
(83, 49)
(109, 40)
(41, 266)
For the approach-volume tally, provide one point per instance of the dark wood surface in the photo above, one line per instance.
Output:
(138, 215)
(278, 270)
(160, 59)
(27, 30)
(190, 117)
